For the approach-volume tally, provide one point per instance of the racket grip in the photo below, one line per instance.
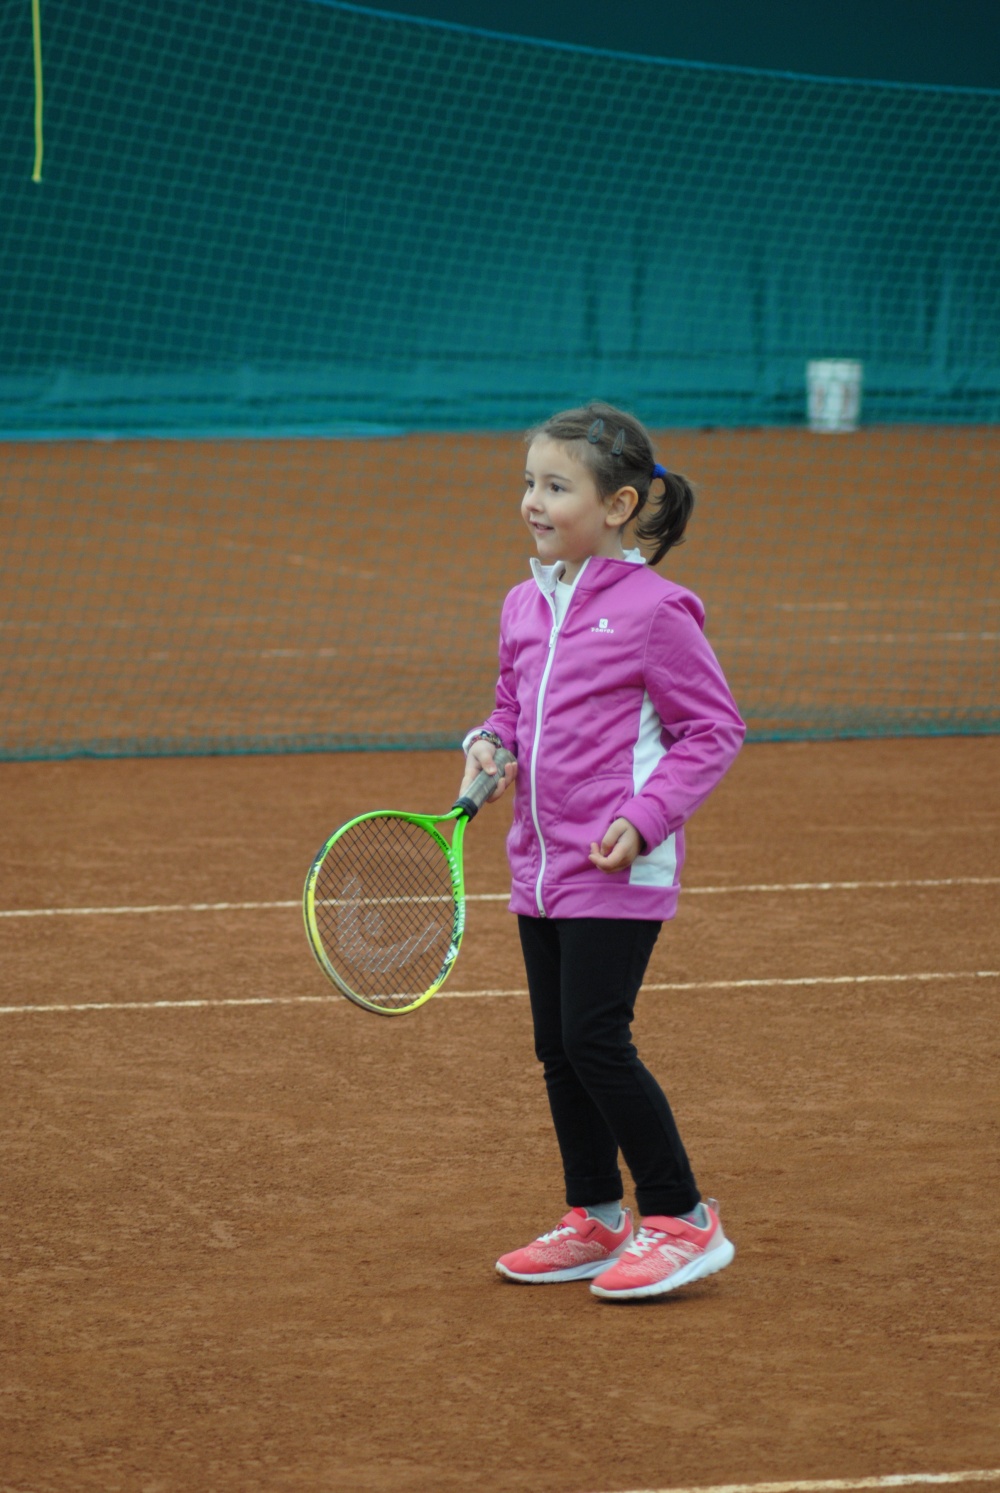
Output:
(481, 787)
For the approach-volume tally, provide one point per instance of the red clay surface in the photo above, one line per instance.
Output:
(249, 1248)
(169, 594)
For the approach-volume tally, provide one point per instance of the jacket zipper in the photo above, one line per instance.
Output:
(553, 636)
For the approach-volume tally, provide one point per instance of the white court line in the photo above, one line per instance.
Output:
(684, 987)
(102, 912)
(834, 1485)
(687, 986)
(842, 886)
(691, 891)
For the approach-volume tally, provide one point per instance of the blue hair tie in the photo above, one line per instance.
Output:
(659, 471)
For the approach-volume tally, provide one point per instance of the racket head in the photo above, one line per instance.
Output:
(384, 907)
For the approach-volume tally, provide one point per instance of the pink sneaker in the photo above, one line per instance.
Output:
(579, 1248)
(666, 1253)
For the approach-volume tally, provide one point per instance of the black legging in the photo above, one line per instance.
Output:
(583, 977)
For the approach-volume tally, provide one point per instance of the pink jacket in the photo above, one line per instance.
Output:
(622, 710)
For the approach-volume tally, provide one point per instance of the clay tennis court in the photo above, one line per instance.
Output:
(249, 1230)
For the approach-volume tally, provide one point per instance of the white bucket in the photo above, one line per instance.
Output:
(833, 386)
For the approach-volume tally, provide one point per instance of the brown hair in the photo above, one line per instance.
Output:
(619, 453)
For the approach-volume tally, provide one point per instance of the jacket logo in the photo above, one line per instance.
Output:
(602, 626)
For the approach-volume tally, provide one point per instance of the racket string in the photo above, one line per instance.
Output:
(385, 910)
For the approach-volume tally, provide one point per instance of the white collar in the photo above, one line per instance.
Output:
(547, 575)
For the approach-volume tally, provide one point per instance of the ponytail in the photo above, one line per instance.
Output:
(663, 522)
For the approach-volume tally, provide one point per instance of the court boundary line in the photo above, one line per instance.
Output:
(684, 987)
(691, 891)
(836, 1485)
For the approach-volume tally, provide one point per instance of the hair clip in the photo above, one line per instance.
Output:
(595, 432)
(619, 445)
(659, 471)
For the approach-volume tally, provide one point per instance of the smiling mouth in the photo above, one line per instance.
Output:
(542, 528)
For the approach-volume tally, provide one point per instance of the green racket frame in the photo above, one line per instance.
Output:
(459, 815)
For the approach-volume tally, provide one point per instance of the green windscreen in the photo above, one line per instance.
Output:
(297, 276)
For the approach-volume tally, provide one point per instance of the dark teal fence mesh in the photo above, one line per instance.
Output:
(289, 219)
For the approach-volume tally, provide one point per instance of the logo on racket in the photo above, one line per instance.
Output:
(360, 926)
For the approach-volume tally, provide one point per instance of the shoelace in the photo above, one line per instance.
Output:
(566, 1228)
(643, 1241)
(648, 1239)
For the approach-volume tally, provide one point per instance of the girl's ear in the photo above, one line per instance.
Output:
(621, 507)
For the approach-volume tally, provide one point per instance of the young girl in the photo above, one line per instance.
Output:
(622, 724)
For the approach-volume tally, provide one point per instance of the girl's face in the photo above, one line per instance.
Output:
(565, 512)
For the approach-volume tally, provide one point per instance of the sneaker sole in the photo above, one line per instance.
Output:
(553, 1277)
(707, 1264)
(572, 1272)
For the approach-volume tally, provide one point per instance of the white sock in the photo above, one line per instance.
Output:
(610, 1214)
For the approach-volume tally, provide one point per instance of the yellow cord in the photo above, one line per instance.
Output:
(36, 28)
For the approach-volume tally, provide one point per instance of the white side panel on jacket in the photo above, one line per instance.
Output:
(659, 867)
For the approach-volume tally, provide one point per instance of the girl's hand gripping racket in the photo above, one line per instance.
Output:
(384, 901)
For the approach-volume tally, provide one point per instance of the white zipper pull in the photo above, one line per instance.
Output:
(552, 636)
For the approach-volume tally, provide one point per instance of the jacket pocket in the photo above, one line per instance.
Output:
(582, 818)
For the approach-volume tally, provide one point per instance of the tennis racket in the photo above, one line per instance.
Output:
(384, 902)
